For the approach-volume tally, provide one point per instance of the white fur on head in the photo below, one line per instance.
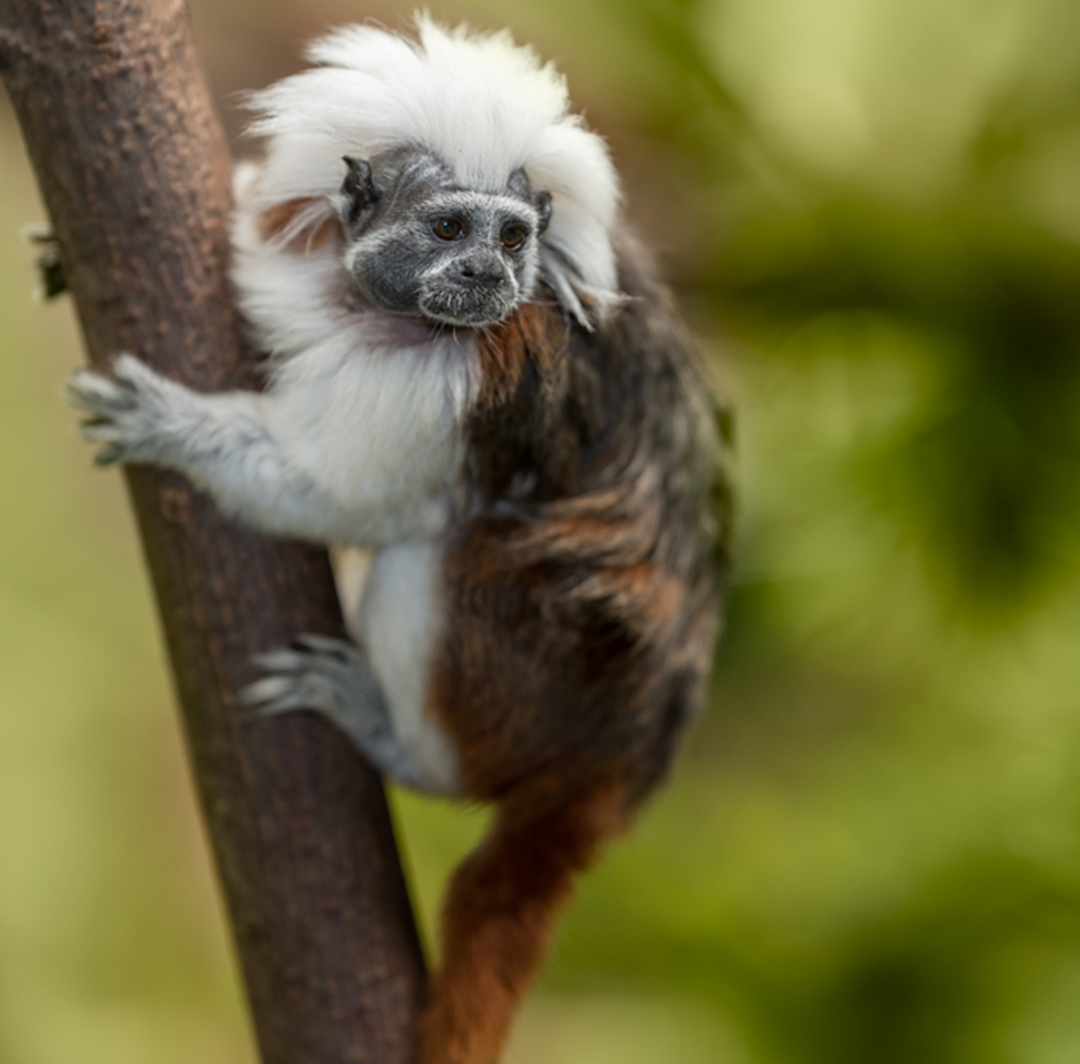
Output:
(484, 105)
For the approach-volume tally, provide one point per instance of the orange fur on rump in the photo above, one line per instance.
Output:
(499, 911)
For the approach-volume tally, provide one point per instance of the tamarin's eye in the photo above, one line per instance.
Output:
(514, 235)
(448, 228)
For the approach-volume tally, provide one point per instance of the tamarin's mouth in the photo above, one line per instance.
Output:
(472, 307)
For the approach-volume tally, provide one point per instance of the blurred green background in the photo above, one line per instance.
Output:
(869, 853)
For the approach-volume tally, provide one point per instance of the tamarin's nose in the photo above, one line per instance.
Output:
(485, 270)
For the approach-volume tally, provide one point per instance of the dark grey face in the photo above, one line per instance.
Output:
(419, 244)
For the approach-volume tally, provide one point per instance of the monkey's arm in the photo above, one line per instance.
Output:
(218, 441)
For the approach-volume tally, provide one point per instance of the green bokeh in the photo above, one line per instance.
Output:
(870, 852)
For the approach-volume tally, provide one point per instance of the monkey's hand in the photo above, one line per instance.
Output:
(137, 414)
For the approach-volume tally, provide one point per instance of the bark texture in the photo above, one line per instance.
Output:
(135, 173)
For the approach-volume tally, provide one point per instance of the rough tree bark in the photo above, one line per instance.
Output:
(135, 174)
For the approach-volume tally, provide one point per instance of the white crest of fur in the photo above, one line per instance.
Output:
(484, 105)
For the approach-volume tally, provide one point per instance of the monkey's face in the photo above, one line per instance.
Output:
(419, 245)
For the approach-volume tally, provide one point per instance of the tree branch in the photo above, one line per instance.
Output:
(135, 173)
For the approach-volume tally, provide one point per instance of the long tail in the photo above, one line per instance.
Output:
(498, 916)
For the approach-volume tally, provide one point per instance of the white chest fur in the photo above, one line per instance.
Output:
(376, 428)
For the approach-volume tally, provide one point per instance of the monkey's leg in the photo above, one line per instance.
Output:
(218, 441)
(332, 677)
(499, 911)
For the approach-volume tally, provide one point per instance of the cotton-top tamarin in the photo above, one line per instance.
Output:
(473, 371)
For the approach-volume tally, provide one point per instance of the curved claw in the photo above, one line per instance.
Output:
(280, 660)
(341, 649)
(272, 694)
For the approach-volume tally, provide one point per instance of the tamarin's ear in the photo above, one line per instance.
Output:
(543, 208)
(358, 188)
